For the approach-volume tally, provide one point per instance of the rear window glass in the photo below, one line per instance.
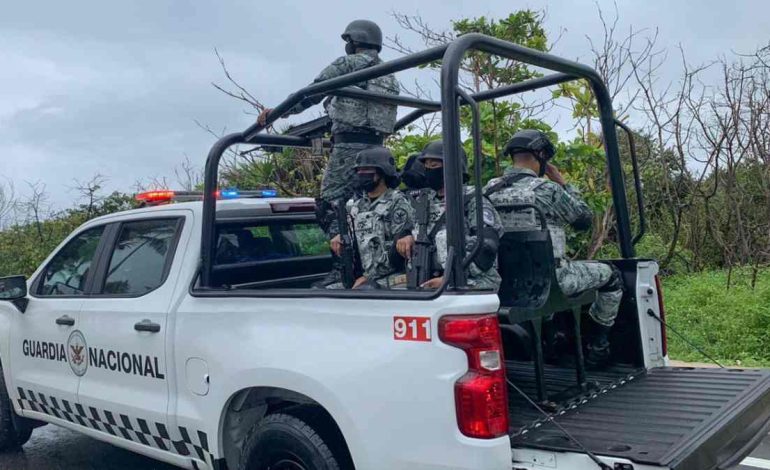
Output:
(243, 243)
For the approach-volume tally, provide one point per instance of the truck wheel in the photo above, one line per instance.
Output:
(15, 431)
(283, 442)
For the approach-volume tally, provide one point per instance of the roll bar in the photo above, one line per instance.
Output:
(451, 56)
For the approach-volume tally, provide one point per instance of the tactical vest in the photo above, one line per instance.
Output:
(520, 189)
(350, 113)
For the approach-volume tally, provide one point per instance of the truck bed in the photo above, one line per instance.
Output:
(676, 417)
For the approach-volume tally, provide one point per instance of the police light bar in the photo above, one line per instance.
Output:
(155, 197)
(166, 196)
(228, 194)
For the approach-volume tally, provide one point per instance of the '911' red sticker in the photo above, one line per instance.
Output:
(411, 328)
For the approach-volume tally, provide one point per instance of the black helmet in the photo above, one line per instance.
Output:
(531, 140)
(364, 33)
(382, 159)
(435, 151)
(534, 141)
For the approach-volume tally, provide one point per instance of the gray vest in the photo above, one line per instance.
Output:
(520, 220)
(350, 113)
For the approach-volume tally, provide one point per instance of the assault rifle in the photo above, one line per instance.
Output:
(348, 254)
(315, 130)
(421, 264)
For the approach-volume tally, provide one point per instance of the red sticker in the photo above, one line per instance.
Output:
(411, 328)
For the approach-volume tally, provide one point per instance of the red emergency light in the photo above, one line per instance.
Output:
(155, 196)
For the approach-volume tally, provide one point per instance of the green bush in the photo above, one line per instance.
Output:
(730, 324)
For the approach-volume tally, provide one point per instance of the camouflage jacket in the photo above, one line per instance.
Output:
(377, 225)
(561, 205)
(352, 115)
(477, 278)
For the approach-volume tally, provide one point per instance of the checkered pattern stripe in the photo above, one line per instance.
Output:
(193, 444)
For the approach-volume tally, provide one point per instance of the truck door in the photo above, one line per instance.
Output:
(47, 355)
(124, 325)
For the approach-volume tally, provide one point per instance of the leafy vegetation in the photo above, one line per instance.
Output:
(25, 245)
(729, 324)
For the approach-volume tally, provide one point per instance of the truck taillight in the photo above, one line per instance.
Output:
(662, 310)
(481, 398)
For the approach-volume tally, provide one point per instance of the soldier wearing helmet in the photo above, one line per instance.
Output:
(356, 124)
(381, 215)
(481, 272)
(534, 180)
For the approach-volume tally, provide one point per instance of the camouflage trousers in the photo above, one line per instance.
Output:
(483, 280)
(337, 182)
(575, 277)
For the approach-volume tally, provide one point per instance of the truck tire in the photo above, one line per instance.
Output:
(284, 442)
(15, 431)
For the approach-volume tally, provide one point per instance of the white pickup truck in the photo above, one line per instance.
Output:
(113, 337)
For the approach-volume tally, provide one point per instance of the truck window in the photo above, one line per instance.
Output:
(273, 254)
(250, 242)
(141, 256)
(67, 273)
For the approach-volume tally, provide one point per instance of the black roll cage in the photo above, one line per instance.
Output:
(452, 95)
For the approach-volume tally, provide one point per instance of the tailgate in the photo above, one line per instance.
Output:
(678, 417)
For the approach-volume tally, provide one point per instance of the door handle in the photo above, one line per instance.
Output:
(147, 325)
(65, 320)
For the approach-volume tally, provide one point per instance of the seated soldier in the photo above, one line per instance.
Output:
(530, 151)
(482, 272)
(380, 216)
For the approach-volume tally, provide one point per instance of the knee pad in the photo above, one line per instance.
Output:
(615, 282)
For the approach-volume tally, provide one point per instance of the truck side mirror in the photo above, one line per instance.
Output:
(14, 288)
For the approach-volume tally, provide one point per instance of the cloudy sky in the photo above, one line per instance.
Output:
(115, 88)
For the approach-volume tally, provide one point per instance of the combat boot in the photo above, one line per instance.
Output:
(598, 356)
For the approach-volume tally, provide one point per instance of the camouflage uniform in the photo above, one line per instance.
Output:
(561, 206)
(477, 279)
(350, 115)
(377, 225)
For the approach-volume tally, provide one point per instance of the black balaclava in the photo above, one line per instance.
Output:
(366, 181)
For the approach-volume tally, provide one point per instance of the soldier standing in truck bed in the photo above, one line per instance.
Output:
(356, 124)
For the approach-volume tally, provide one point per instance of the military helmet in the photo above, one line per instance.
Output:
(531, 140)
(382, 159)
(364, 32)
(435, 151)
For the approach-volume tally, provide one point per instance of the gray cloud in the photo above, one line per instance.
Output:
(114, 87)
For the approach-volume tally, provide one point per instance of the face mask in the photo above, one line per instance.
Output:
(435, 178)
(366, 181)
(350, 48)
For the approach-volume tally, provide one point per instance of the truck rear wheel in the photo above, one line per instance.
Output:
(284, 442)
(15, 431)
